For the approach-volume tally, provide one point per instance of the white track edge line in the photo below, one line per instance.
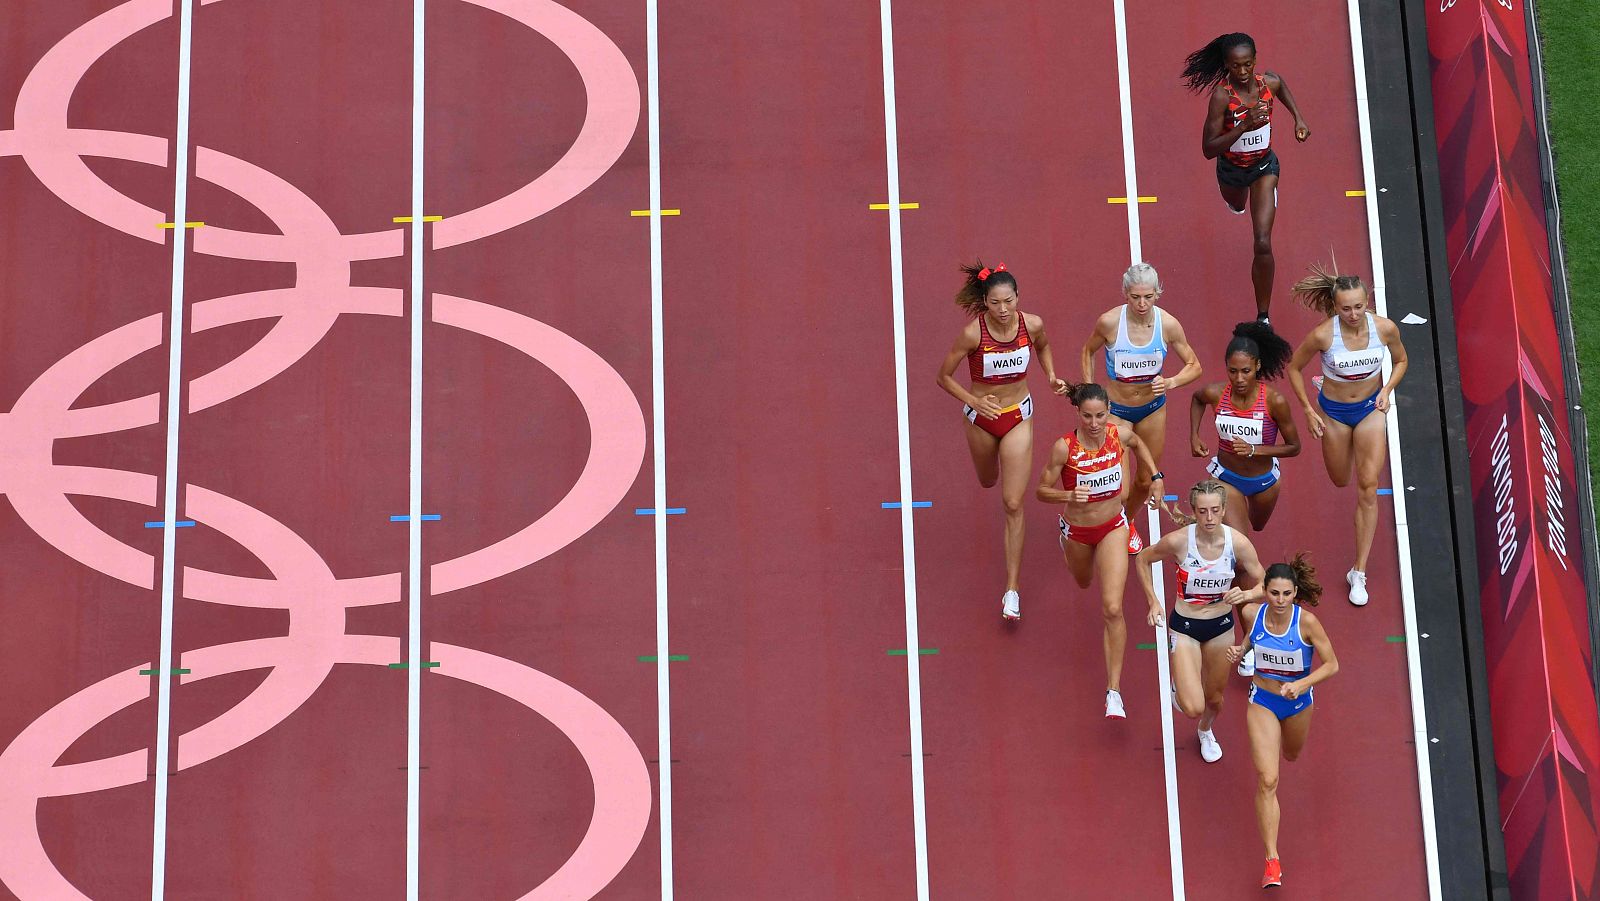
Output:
(903, 426)
(658, 440)
(414, 655)
(169, 515)
(1419, 716)
(1169, 764)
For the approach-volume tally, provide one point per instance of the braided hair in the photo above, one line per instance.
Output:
(1204, 486)
(1207, 67)
(976, 284)
(1257, 340)
(1299, 571)
(1319, 290)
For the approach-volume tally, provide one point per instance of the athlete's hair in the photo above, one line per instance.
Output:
(1319, 289)
(1141, 274)
(1299, 571)
(1207, 67)
(1269, 350)
(976, 284)
(1087, 391)
(1204, 486)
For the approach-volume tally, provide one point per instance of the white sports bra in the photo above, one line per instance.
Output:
(1202, 581)
(1345, 365)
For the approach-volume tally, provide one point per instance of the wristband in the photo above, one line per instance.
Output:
(1252, 450)
(1156, 475)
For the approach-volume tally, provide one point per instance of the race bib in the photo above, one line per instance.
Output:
(1251, 141)
(1136, 367)
(1209, 583)
(1246, 429)
(1281, 661)
(996, 365)
(1103, 484)
(1355, 365)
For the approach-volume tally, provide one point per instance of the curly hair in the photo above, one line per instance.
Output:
(1257, 339)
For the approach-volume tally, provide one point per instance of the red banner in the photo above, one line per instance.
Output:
(1535, 608)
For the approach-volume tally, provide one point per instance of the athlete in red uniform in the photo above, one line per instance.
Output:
(998, 344)
(1084, 475)
(1238, 135)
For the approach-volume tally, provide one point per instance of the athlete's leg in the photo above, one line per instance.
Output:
(1371, 452)
(1296, 729)
(1263, 210)
(1337, 439)
(1016, 468)
(1186, 675)
(1214, 671)
(1080, 561)
(1266, 743)
(1111, 565)
(1152, 430)
(1262, 504)
(1236, 198)
(1236, 512)
(985, 454)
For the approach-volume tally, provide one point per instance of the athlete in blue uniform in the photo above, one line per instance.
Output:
(1284, 637)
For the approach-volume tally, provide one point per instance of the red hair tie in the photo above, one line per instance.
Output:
(985, 272)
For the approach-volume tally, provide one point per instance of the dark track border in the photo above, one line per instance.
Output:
(1471, 849)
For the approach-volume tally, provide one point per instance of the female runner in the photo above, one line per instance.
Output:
(1238, 135)
(1353, 343)
(1250, 418)
(1284, 637)
(1093, 526)
(1217, 570)
(998, 344)
(1137, 336)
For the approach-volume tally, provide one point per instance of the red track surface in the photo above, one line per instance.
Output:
(791, 771)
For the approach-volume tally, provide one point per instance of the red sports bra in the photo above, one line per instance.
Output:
(1000, 362)
(1099, 470)
(1252, 146)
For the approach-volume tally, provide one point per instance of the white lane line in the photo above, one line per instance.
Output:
(658, 426)
(1408, 601)
(169, 505)
(414, 654)
(1169, 763)
(908, 547)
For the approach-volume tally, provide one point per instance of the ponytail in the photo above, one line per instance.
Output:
(1299, 571)
(1207, 67)
(976, 284)
(1087, 391)
(1318, 290)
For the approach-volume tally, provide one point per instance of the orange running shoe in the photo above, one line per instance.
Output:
(1274, 874)
(1135, 543)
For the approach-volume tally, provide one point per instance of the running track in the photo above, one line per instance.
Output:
(790, 753)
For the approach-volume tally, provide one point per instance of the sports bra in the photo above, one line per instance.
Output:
(1285, 657)
(1345, 365)
(1252, 426)
(1202, 581)
(1126, 362)
(1098, 470)
(1250, 147)
(1000, 362)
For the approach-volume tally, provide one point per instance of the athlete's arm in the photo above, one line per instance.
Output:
(1217, 136)
(1165, 549)
(1247, 579)
(1041, 343)
(1203, 398)
(1313, 344)
(1317, 637)
(988, 406)
(1247, 617)
(1179, 342)
(1278, 409)
(1390, 333)
(1097, 340)
(1051, 476)
(1281, 88)
(1147, 463)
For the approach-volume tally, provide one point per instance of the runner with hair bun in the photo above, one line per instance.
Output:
(1353, 343)
(1084, 475)
(1217, 570)
(1250, 417)
(1137, 336)
(998, 344)
(1238, 135)
(1284, 637)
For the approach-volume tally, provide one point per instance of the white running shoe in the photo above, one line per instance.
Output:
(1316, 382)
(1210, 751)
(1358, 587)
(1247, 666)
(1011, 605)
(1114, 705)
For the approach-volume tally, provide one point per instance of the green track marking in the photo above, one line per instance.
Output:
(921, 652)
(425, 665)
(1145, 647)
(671, 658)
(151, 672)
(1395, 639)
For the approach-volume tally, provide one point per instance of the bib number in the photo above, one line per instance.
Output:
(1356, 365)
(1103, 484)
(1251, 141)
(1279, 661)
(1132, 367)
(1245, 429)
(999, 365)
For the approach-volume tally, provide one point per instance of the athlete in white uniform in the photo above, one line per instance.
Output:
(1217, 570)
